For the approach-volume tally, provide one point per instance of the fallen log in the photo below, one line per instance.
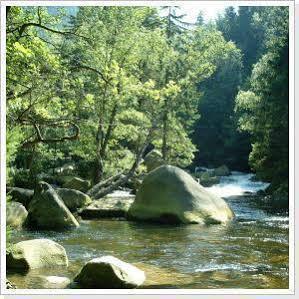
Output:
(96, 188)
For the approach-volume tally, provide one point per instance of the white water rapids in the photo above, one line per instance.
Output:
(238, 183)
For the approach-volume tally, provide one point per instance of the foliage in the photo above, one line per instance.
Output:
(98, 84)
(216, 133)
(263, 109)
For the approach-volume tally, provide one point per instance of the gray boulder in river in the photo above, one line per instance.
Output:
(73, 199)
(221, 171)
(77, 184)
(37, 253)
(16, 214)
(108, 272)
(170, 195)
(107, 207)
(48, 211)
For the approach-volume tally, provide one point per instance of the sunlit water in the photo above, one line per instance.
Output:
(238, 183)
(251, 252)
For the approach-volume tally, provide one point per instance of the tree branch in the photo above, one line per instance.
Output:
(40, 139)
(123, 179)
(12, 96)
(23, 27)
(82, 66)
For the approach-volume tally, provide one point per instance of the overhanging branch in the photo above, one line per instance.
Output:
(39, 138)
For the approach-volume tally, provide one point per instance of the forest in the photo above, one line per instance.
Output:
(98, 98)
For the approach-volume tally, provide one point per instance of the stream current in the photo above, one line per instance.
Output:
(251, 252)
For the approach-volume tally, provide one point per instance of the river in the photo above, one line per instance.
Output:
(250, 252)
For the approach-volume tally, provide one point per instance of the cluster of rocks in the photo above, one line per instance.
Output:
(167, 194)
(209, 177)
(102, 272)
(45, 207)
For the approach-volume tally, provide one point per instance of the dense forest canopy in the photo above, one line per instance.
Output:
(100, 86)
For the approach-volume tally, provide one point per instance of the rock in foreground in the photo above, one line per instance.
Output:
(16, 214)
(48, 211)
(170, 195)
(33, 254)
(108, 272)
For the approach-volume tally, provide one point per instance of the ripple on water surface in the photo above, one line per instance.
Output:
(250, 252)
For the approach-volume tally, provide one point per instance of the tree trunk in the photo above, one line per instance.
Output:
(164, 137)
(96, 188)
(102, 144)
(98, 172)
(124, 179)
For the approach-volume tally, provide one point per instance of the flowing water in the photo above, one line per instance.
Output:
(250, 252)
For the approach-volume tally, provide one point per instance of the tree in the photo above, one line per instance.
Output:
(263, 108)
(240, 27)
(35, 100)
(215, 132)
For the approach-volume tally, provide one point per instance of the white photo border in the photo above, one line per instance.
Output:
(290, 291)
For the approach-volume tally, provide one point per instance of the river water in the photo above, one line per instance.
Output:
(250, 252)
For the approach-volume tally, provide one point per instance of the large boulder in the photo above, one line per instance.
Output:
(48, 211)
(221, 171)
(108, 272)
(37, 253)
(169, 194)
(16, 214)
(153, 160)
(21, 195)
(73, 199)
(77, 184)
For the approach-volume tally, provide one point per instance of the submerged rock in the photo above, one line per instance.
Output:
(33, 254)
(221, 171)
(57, 282)
(207, 179)
(160, 277)
(108, 272)
(21, 195)
(73, 199)
(170, 195)
(16, 214)
(107, 207)
(48, 211)
(77, 184)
